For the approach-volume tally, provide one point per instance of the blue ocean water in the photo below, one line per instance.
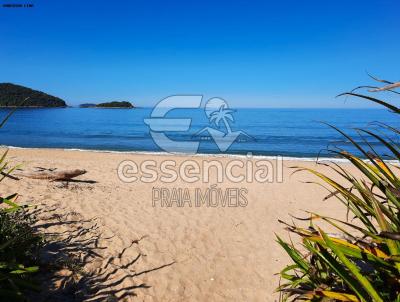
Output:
(286, 132)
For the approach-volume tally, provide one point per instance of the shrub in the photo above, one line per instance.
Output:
(19, 243)
(361, 262)
(23, 242)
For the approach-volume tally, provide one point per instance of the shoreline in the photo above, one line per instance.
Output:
(163, 153)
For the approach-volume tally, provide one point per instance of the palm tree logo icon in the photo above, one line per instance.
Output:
(218, 113)
(222, 115)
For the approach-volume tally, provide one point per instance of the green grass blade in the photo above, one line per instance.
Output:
(352, 268)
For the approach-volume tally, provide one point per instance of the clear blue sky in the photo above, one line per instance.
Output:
(252, 53)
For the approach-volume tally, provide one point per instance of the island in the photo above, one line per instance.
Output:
(123, 105)
(87, 105)
(12, 95)
(115, 105)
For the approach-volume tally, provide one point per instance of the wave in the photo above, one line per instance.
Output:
(163, 153)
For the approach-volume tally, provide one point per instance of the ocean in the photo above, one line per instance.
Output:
(300, 133)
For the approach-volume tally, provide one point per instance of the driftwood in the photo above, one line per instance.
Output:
(52, 175)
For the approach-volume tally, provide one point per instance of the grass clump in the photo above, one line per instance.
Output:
(361, 260)
(19, 246)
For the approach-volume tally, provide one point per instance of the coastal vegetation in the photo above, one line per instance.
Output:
(12, 95)
(19, 243)
(19, 250)
(360, 261)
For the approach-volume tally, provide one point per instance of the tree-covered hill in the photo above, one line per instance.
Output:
(115, 105)
(87, 105)
(12, 95)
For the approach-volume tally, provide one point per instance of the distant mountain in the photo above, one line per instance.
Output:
(87, 105)
(115, 105)
(12, 95)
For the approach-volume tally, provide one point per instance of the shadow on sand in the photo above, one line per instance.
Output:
(71, 245)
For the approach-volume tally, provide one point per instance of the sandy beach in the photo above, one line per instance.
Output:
(171, 253)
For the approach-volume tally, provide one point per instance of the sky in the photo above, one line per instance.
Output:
(250, 53)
